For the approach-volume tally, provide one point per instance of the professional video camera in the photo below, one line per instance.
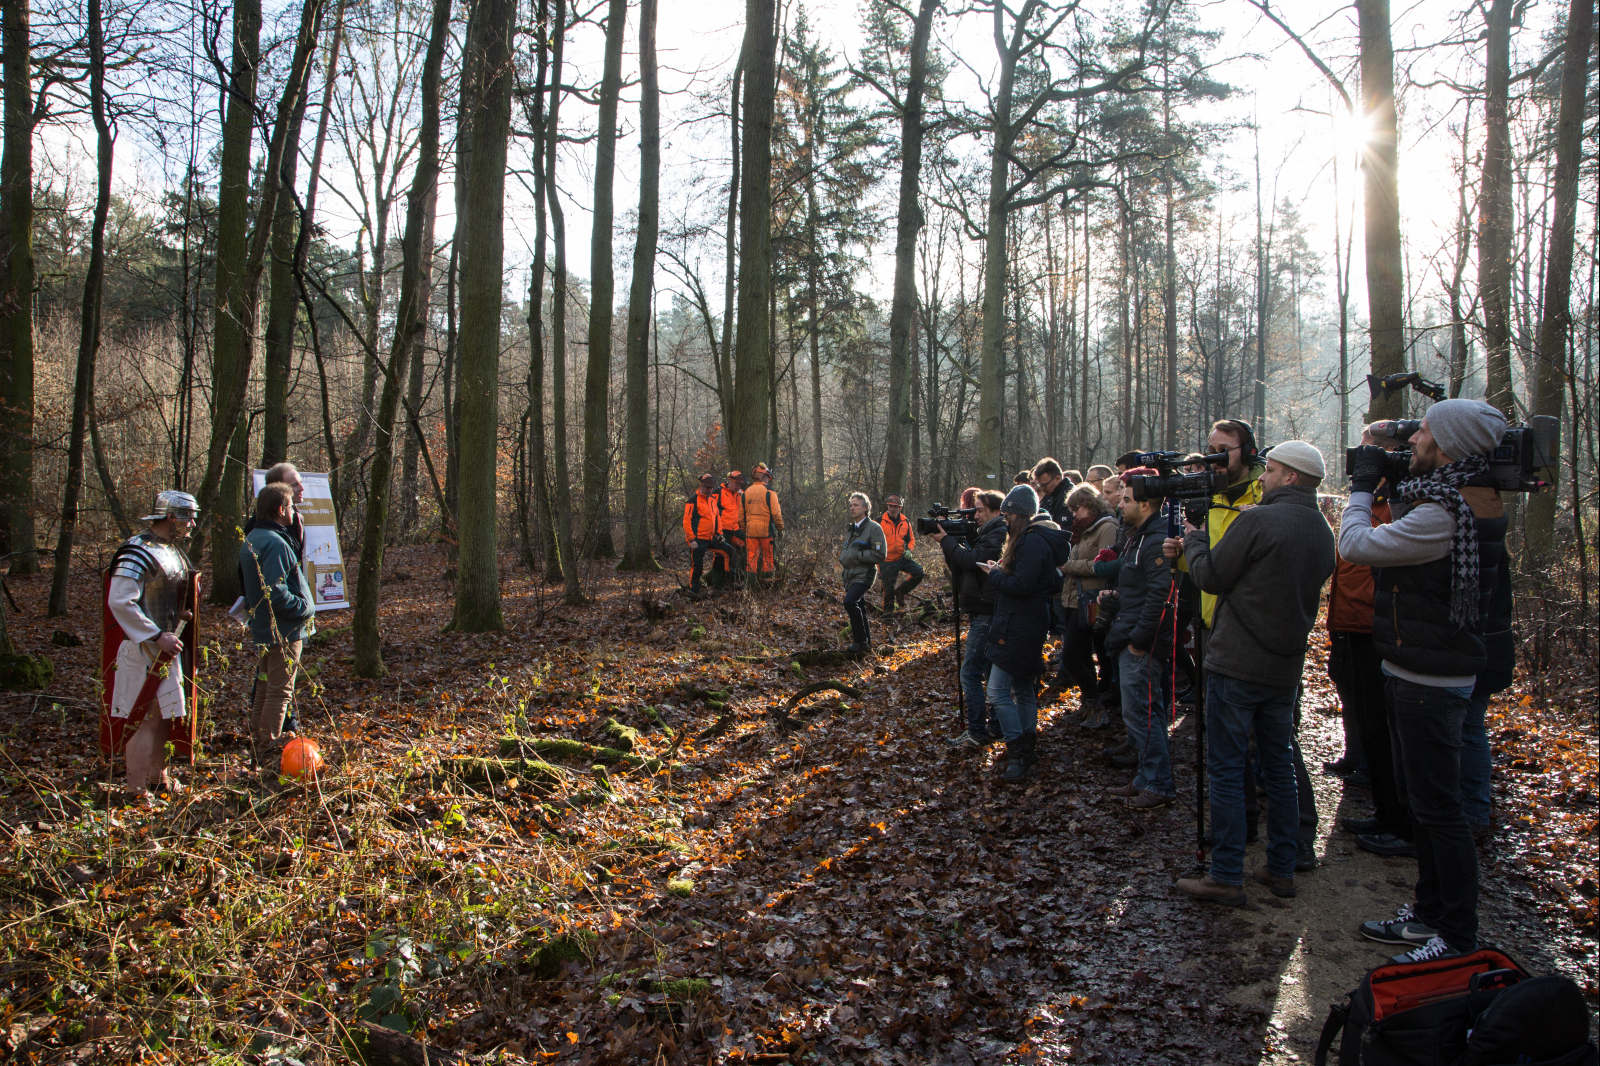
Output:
(957, 522)
(1191, 490)
(1523, 452)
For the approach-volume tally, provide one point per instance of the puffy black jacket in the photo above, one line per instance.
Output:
(1054, 504)
(972, 584)
(1142, 587)
(1023, 598)
(1411, 623)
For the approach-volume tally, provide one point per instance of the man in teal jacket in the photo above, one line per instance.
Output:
(282, 615)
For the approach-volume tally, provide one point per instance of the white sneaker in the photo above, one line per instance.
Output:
(1432, 951)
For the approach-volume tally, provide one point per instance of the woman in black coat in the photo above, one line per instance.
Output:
(1025, 580)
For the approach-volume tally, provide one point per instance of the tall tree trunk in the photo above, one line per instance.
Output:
(1263, 295)
(1385, 274)
(411, 321)
(636, 533)
(303, 243)
(1494, 210)
(16, 293)
(239, 301)
(89, 320)
(724, 356)
(747, 432)
(602, 297)
(482, 243)
(229, 336)
(1555, 320)
(277, 346)
(558, 329)
(1458, 314)
(1170, 285)
(108, 485)
(549, 73)
(909, 222)
(991, 383)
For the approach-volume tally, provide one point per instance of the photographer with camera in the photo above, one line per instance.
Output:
(1267, 577)
(1141, 639)
(1025, 579)
(975, 596)
(1436, 569)
(863, 550)
(702, 517)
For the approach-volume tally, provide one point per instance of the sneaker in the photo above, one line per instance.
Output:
(1432, 951)
(1385, 844)
(968, 742)
(1203, 888)
(1149, 801)
(1403, 929)
(1280, 886)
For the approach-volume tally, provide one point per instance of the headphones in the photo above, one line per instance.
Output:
(1247, 439)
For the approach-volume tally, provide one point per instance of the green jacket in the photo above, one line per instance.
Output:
(861, 563)
(275, 590)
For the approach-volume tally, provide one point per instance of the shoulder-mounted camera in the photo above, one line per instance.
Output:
(957, 522)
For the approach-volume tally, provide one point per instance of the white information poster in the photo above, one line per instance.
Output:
(323, 562)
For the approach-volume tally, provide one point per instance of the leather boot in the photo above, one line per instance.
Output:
(1016, 765)
(1030, 751)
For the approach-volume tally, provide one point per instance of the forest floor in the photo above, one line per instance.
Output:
(823, 883)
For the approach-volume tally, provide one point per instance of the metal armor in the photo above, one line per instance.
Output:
(162, 571)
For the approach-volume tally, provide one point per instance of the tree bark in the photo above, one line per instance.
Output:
(909, 222)
(411, 321)
(747, 432)
(1385, 275)
(990, 382)
(16, 292)
(1494, 210)
(558, 328)
(482, 248)
(1555, 321)
(602, 297)
(89, 320)
(636, 533)
(107, 484)
(549, 70)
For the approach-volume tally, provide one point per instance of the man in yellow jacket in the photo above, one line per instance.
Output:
(763, 523)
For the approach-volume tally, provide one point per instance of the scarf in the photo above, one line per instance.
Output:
(1080, 526)
(1443, 487)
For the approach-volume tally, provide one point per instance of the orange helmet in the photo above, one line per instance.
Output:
(761, 468)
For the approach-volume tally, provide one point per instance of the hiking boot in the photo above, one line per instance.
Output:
(1030, 750)
(1432, 951)
(1096, 717)
(1125, 791)
(1385, 844)
(1209, 891)
(1305, 855)
(1403, 929)
(1283, 887)
(1016, 765)
(1149, 801)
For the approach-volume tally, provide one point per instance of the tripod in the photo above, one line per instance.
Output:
(955, 612)
(1175, 529)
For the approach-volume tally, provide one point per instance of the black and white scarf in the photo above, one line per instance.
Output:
(1443, 487)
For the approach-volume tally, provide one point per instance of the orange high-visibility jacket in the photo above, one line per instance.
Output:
(732, 503)
(700, 518)
(898, 537)
(762, 515)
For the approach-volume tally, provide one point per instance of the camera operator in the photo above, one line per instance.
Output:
(1141, 639)
(1435, 574)
(975, 597)
(1357, 675)
(1025, 580)
(863, 550)
(1268, 576)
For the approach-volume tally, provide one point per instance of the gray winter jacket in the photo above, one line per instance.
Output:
(863, 550)
(1268, 574)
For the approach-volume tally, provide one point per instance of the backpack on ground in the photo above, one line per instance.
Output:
(1479, 1009)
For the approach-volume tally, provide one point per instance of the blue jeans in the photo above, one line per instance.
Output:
(1426, 726)
(975, 672)
(1233, 709)
(1476, 761)
(1144, 712)
(1016, 703)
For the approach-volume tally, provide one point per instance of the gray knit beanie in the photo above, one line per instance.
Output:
(1021, 500)
(1465, 427)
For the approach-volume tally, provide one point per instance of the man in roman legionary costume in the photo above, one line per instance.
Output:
(147, 659)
